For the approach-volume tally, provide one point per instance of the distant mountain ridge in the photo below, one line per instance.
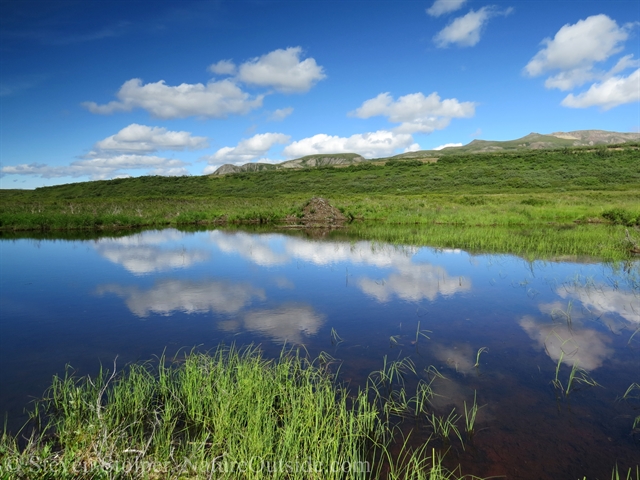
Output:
(308, 161)
(533, 141)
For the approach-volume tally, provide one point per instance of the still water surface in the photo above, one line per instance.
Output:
(84, 303)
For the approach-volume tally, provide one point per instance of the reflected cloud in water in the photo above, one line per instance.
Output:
(577, 343)
(256, 248)
(411, 281)
(288, 323)
(142, 254)
(284, 283)
(274, 249)
(170, 296)
(414, 282)
(460, 357)
(601, 299)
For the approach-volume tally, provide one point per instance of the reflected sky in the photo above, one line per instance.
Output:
(601, 299)
(88, 302)
(289, 323)
(576, 344)
(169, 296)
(149, 252)
(408, 280)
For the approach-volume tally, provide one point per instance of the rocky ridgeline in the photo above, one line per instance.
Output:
(533, 141)
(305, 162)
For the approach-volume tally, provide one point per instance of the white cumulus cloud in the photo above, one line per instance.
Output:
(223, 67)
(571, 57)
(608, 94)
(281, 114)
(214, 100)
(579, 46)
(142, 138)
(416, 112)
(282, 70)
(100, 168)
(248, 149)
(440, 7)
(369, 145)
(465, 31)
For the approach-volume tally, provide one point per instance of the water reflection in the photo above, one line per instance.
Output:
(586, 346)
(410, 281)
(285, 324)
(414, 282)
(459, 357)
(218, 287)
(274, 249)
(169, 296)
(602, 299)
(143, 254)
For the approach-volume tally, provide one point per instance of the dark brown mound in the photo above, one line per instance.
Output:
(317, 212)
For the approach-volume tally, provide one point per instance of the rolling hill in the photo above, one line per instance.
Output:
(533, 141)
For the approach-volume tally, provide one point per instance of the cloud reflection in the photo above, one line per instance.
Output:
(410, 281)
(414, 282)
(585, 346)
(601, 299)
(285, 324)
(274, 249)
(142, 254)
(460, 357)
(169, 296)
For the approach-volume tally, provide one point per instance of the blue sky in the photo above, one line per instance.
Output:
(98, 90)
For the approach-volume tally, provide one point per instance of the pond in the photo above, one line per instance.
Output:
(548, 348)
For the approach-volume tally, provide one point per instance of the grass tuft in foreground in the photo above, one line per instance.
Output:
(232, 414)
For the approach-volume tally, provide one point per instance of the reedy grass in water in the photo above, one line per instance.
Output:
(470, 415)
(633, 393)
(577, 375)
(229, 415)
(445, 427)
(335, 338)
(481, 350)
(198, 418)
(566, 314)
(616, 475)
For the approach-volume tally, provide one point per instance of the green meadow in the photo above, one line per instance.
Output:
(579, 201)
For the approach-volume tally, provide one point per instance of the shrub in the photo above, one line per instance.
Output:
(620, 216)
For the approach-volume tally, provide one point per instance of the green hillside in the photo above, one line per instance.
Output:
(466, 200)
(601, 168)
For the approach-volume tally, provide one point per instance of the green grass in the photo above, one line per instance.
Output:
(577, 376)
(232, 414)
(546, 184)
(538, 204)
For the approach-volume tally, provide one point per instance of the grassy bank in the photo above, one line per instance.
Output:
(229, 415)
(544, 242)
(534, 191)
(480, 189)
(600, 169)
(469, 210)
